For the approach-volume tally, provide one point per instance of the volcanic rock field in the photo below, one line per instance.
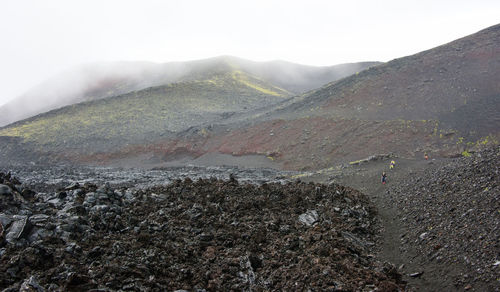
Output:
(192, 234)
(234, 229)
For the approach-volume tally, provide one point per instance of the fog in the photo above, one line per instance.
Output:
(100, 80)
(90, 82)
(44, 41)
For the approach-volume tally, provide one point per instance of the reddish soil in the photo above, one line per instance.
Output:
(308, 143)
(425, 102)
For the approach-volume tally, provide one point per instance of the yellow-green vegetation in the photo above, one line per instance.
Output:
(466, 153)
(436, 127)
(483, 141)
(304, 174)
(203, 132)
(258, 85)
(488, 140)
(330, 170)
(356, 162)
(315, 109)
(145, 114)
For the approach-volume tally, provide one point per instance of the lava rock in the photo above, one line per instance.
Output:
(197, 234)
(31, 285)
(5, 190)
(309, 218)
(19, 228)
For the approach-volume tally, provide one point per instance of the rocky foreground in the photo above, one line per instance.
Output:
(452, 219)
(206, 234)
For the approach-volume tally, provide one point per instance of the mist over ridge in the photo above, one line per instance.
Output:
(101, 80)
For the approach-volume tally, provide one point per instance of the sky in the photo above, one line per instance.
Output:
(39, 39)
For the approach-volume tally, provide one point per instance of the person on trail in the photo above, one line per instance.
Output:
(393, 164)
(384, 177)
(426, 156)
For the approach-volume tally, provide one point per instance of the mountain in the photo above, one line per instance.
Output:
(438, 100)
(144, 116)
(101, 80)
(446, 83)
(443, 101)
(87, 82)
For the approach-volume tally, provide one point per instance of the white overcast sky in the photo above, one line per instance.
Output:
(39, 39)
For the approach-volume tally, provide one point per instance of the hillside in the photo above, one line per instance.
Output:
(144, 116)
(442, 101)
(101, 80)
(456, 83)
(84, 83)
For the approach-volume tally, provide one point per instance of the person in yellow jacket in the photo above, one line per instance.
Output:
(392, 165)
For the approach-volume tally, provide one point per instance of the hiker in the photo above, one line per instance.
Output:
(384, 177)
(393, 164)
(426, 156)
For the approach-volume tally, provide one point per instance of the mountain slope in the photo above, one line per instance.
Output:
(447, 83)
(101, 80)
(146, 115)
(84, 83)
(441, 101)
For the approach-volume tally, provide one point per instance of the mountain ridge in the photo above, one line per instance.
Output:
(156, 110)
(443, 101)
(101, 80)
(337, 90)
(316, 130)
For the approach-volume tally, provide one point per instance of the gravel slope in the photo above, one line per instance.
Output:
(440, 218)
(452, 215)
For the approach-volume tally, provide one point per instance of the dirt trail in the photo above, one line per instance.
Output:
(367, 179)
